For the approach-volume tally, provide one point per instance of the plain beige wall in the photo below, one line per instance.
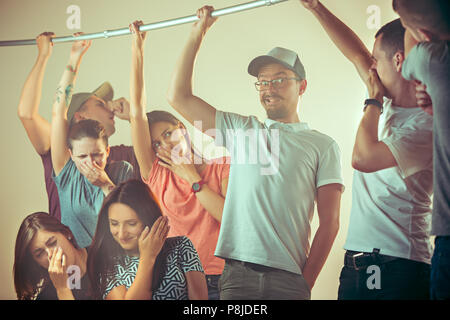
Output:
(332, 103)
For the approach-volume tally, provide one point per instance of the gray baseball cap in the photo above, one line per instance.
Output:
(285, 57)
(105, 92)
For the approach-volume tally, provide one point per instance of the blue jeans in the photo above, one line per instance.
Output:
(400, 279)
(212, 281)
(440, 269)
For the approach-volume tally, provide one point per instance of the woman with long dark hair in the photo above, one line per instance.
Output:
(189, 188)
(45, 249)
(131, 257)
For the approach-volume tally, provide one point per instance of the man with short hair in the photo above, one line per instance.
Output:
(387, 248)
(97, 105)
(264, 235)
(428, 62)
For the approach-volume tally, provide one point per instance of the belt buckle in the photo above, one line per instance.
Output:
(353, 259)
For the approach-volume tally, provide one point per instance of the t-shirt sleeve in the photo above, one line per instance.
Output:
(428, 63)
(330, 169)
(226, 122)
(68, 175)
(416, 63)
(412, 148)
(190, 260)
(113, 280)
(153, 172)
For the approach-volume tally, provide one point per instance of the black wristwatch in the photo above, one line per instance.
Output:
(373, 102)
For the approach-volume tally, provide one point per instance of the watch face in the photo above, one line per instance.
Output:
(196, 186)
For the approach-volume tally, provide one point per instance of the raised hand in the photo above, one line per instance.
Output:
(309, 4)
(375, 87)
(206, 21)
(138, 36)
(96, 176)
(152, 240)
(93, 173)
(45, 44)
(121, 108)
(79, 47)
(182, 166)
(57, 268)
(423, 98)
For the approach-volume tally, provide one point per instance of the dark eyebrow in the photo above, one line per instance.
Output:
(50, 240)
(129, 220)
(47, 243)
(164, 132)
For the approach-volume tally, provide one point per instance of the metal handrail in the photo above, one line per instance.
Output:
(147, 27)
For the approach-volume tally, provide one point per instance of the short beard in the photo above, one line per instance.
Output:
(276, 113)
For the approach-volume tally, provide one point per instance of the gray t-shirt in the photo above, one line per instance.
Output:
(81, 201)
(429, 63)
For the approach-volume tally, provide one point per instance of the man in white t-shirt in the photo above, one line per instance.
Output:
(274, 179)
(388, 248)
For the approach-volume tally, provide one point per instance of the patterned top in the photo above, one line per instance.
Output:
(181, 258)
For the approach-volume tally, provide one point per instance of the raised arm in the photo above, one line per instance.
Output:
(180, 95)
(63, 96)
(343, 37)
(57, 272)
(140, 132)
(369, 153)
(37, 128)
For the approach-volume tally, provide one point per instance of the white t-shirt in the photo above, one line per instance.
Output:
(391, 208)
(276, 169)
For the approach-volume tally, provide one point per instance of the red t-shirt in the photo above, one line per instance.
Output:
(187, 217)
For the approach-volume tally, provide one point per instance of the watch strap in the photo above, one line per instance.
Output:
(373, 102)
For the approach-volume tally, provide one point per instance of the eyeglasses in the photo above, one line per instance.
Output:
(276, 83)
